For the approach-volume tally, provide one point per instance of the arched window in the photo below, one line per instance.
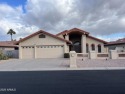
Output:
(99, 48)
(77, 43)
(87, 47)
(93, 47)
(42, 36)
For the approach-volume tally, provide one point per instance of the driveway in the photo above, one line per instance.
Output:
(59, 64)
(34, 64)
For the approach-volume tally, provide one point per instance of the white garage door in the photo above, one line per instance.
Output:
(50, 51)
(27, 52)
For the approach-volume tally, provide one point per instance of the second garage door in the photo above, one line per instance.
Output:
(50, 51)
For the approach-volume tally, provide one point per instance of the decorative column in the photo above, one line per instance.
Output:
(93, 55)
(73, 59)
(66, 48)
(113, 54)
(35, 56)
(83, 43)
(20, 52)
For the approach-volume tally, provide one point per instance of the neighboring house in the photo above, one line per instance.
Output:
(8, 45)
(9, 49)
(45, 45)
(118, 45)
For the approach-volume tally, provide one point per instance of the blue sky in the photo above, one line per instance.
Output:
(104, 19)
(14, 2)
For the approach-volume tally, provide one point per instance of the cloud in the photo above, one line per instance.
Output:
(99, 17)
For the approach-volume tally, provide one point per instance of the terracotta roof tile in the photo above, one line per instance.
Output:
(117, 42)
(72, 30)
(41, 31)
(8, 43)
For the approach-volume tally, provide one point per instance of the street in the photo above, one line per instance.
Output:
(63, 82)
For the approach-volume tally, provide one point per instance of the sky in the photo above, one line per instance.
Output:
(104, 19)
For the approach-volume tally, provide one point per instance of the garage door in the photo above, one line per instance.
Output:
(27, 52)
(51, 51)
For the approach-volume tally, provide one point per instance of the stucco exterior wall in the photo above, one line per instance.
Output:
(92, 41)
(61, 36)
(47, 41)
(42, 41)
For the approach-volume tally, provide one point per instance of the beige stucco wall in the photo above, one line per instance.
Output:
(36, 41)
(61, 36)
(42, 41)
(92, 41)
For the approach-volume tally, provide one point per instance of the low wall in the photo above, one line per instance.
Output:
(82, 56)
(11, 53)
(121, 55)
(103, 56)
(94, 55)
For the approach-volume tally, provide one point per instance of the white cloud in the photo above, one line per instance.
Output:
(99, 17)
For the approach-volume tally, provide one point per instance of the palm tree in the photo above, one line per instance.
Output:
(11, 32)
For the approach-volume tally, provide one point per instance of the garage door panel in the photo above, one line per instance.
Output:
(50, 52)
(27, 52)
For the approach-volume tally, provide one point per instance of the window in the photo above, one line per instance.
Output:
(93, 47)
(42, 36)
(77, 43)
(87, 48)
(99, 48)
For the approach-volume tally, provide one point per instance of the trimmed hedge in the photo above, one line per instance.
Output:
(66, 55)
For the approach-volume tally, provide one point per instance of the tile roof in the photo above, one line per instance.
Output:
(8, 44)
(41, 31)
(81, 31)
(117, 42)
(72, 30)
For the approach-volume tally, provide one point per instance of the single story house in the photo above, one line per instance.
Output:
(118, 45)
(8, 45)
(42, 44)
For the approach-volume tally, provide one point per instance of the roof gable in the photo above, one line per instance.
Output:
(72, 30)
(39, 32)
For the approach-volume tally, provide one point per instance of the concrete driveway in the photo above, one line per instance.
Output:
(59, 64)
(34, 64)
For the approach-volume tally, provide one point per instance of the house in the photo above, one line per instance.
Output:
(8, 45)
(45, 45)
(118, 45)
(8, 48)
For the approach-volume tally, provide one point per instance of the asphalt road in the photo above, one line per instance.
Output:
(63, 82)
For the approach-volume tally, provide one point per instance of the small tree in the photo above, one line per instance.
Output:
(11, 32)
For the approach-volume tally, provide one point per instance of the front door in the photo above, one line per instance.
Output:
(77, 46)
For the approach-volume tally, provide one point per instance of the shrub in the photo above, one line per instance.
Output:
(66, 55)
(3, 57)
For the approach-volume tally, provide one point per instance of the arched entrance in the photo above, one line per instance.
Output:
(76, 42)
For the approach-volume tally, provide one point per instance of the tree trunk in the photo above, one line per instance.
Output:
(11, 38)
